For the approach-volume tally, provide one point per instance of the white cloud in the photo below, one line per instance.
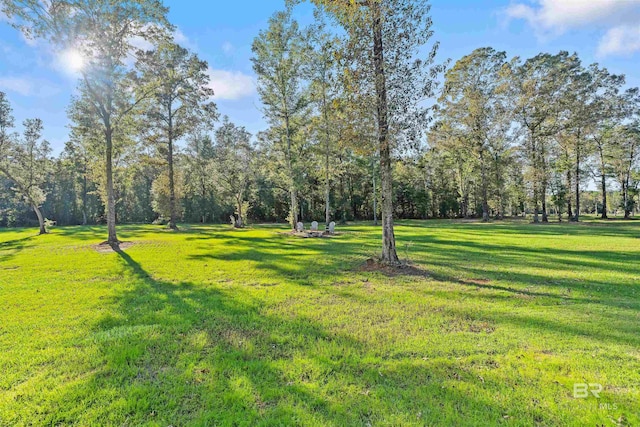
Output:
(227, 85)
(231, 85)
(227, 47)
(558, 16)
(620, 18)
(17, 85)
(180, 37)
(183, 40)
(26, 87)
(141, 43)
(622, 40)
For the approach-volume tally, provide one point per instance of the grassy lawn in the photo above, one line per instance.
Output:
(212, 326)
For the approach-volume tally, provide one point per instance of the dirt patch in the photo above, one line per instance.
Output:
(478, 327)
(392, 270)
(105, 248)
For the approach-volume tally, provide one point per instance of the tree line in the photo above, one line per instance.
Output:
(529, 135)
(363, 123)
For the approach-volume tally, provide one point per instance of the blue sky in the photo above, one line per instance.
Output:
(39, 83)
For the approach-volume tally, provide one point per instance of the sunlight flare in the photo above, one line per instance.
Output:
(73, 60)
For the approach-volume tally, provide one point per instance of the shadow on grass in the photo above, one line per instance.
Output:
(183, 353)
(97, 232)
(11, 248)
(472, 260)
(284, 258)
(478, 228)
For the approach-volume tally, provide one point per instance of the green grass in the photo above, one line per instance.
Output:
(212, 326)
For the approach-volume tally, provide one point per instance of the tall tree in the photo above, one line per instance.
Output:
(587, 100)
(625, 163)
(537, 86)
(79, 156)
(446, 146)
(6, 123)
(278, 60)
(199, 182)
(323, 51)
(472, 102)
(180, 103)
(25, 161)
(385, 43)
(102, 32)
(234, 166)
(611, 106)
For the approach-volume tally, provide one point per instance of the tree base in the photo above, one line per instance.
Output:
(106, 247)
(115, 245)
(400, 268)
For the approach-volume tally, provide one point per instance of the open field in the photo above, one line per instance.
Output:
(213, 326)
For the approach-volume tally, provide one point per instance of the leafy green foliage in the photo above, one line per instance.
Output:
(280, 65)
(234, 167)
(179, 105)
(25, 161)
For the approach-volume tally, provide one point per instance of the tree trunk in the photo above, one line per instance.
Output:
(84, 197)
(543, 172)
(203, 199)
(465, 205)
(536, 205)
(389, 253)
(111, 199)
(569, 205)
(536, 185)
(327, 190)
(499, 189)
(603, 185)
(239, 222)
(577, 216)
(172, 183)
(485, 192)
(172, 190)
(43, 230)
(293, 210)
(625, 194)
(375, 195)
(545, 215)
